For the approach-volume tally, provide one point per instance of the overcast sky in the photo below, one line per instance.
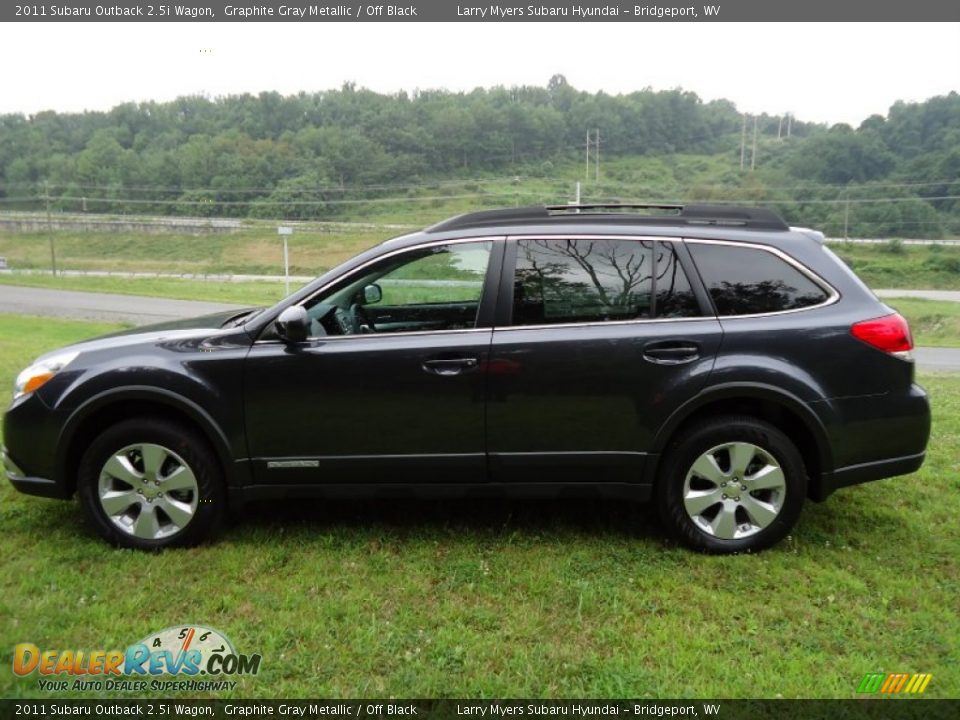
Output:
(821, 72)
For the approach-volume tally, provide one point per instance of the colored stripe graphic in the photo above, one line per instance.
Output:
(893, 683)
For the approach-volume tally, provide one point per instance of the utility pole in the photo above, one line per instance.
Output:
(780, 127)
(846, 217)
(586, 169)
(743, 140)
(789, 120)
(597, 157)
(285, 232)
(53, 252)
(753, 155)
(578, 193)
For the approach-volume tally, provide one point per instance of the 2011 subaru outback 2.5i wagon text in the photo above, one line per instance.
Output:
(712, 359)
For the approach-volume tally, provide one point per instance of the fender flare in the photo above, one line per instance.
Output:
(749, 391)
(210, 429)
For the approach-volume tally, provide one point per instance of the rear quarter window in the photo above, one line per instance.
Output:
(749, 281)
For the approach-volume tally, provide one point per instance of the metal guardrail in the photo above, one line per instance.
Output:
(884, 241)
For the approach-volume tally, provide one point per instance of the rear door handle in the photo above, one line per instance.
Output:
(671, 352)
(448, 368)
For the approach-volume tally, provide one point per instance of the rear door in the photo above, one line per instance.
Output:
(598, 340)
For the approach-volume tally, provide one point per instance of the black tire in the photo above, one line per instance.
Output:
(698, 441)
(191, 448)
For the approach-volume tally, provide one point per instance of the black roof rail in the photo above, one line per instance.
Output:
(614, 206)
(723, 215)
(751, 217)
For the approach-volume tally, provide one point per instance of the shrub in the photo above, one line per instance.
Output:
(894, 246)
(950, 263)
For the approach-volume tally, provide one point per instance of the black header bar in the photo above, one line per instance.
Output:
(887, 708)
(478, 11)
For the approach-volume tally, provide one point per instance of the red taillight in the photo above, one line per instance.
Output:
(889, 333)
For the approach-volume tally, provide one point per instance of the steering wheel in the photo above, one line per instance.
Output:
(359, 318)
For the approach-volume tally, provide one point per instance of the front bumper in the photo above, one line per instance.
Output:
(30, 445)
(41, 487)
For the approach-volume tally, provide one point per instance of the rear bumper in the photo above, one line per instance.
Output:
(41, 487)
(895, 425)
(867, 472)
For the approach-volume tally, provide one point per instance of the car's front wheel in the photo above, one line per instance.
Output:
(150, 484)
(731, 484)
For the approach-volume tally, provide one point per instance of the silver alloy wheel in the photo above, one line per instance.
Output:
(734, 490)
(148, 491)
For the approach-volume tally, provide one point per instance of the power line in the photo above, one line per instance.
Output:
(433, 198)
(268, 201)
(319, 188)
(840, 201)
(513, 179)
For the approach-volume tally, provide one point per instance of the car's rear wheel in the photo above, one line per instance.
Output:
(731, 484)
(150, 484)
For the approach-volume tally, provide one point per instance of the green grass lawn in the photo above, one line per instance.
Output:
(933, 323)
(256, 249)
(903, 266)
(243, 293)
(517, 599)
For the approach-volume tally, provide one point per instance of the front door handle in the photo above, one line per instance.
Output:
(450, 367)
(671, 352)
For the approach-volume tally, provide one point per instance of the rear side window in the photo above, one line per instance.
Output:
(747, 281)
(580, 281)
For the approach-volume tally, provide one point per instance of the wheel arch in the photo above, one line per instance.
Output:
(106, 409)
(779, 408)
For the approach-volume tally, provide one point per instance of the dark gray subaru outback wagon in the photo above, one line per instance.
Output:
(712, 359)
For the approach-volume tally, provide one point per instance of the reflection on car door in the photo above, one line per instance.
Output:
(599, 344)
(384, 407)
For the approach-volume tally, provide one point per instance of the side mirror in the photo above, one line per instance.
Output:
(292, 324)
(372, 294)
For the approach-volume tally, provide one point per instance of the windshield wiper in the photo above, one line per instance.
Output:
(242, 317)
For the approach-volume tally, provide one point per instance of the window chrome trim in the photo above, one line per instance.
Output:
(833, 295)
(605, 323)
(384, 256)
(365, 336)
(581, 236)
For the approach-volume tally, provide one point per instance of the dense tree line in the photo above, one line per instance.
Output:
(266, 154)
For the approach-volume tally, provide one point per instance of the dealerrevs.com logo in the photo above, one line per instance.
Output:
(185, 651)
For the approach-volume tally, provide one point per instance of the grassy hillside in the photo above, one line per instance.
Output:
(256, 249)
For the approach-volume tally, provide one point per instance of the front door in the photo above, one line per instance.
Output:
(390, 386)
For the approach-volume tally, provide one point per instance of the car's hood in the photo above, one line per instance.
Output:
(198, 327)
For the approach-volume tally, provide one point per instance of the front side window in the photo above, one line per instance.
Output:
(589, 281)
(748, 281)
(422, 290)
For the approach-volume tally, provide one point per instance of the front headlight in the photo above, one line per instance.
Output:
(35, 376)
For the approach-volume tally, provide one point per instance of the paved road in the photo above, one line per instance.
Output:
(949, 295)
(937, 358)
(101, 306)
(143, 310)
